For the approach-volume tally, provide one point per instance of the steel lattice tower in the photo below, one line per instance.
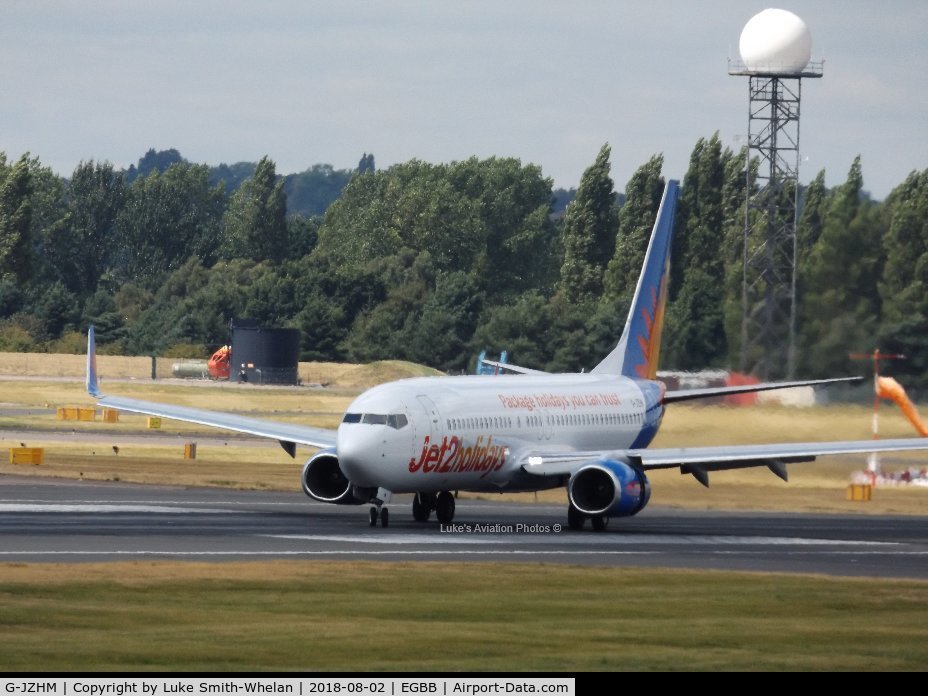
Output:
(768, 294)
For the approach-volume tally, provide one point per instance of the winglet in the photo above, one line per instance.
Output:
(638, 350)
(93, 387)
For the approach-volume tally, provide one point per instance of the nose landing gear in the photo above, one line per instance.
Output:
(383, 514)
(379, 510)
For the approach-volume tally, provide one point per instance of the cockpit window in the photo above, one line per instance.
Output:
(394, 420)
(397, 420)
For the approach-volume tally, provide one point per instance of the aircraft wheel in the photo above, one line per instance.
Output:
(575, 518)
(600, 522)
(444, 507)
(384, 518)
(421, 510)
(373, 517)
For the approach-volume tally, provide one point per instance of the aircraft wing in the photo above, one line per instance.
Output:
(288, 434)
(672, 396)
(698, 461)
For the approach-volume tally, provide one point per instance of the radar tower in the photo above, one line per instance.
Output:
(775, 48)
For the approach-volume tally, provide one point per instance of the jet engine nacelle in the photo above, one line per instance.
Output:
(323, 480)
(609, 488)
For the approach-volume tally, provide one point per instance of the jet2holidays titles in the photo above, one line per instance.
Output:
(454, 455)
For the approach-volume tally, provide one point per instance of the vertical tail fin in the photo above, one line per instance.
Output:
(639, 348)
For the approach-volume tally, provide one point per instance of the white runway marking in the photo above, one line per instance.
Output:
(577, 539)
(334, 552)
(111, 501)
(98, 508)
(436, 552)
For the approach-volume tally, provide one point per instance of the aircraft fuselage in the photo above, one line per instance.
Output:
(468, 433)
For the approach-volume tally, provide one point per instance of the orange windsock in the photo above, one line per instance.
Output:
(888, 388)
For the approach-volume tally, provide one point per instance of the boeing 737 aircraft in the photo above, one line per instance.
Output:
(518, 432)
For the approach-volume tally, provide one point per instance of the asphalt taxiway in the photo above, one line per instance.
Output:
(61, 521)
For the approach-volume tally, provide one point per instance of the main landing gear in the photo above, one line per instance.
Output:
(442, 504)
(422, 506)
(444, 507)
(576, 520)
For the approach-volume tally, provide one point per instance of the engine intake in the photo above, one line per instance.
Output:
(609, 488)
(323, 480)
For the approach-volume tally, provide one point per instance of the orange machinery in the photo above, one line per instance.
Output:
(219, 363)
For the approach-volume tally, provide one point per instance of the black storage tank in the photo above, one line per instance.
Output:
(264, 356)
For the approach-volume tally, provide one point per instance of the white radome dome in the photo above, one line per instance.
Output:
(775, 41)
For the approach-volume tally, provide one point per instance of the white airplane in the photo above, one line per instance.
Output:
(523, 432)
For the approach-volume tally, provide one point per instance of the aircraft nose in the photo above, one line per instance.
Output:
(367, 452)
(355, 443)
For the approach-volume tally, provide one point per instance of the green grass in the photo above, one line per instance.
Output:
(427, 617)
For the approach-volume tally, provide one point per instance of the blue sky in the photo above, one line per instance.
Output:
(309, 82)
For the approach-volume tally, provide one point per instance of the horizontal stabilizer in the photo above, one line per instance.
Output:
(513, 368)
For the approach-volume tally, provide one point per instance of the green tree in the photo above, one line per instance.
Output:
(49, 217)
(438, 334)
(903, 289)
(166, 219)
(523, 328)
(311, 192)
(255, 221)
(382, 331)
(589, 232)
(322, 327)
(16, 255)
(330, 297)
(366, 164)
(11, 297)
(303, 234)
(695, 324)
(154, 162)
(636, 220)
(232, 176)
(734, 194)
(101, 310)
(83, 249)
(270, 297)
(841, 300)
(569, 335)
(512, 201)
(15, 338)
(904, 285)
(488, 218)
(55, 310)
(193, 305)
(812, 218)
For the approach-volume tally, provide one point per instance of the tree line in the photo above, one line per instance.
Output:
(434, 262)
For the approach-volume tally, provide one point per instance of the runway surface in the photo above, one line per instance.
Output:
(59, 521)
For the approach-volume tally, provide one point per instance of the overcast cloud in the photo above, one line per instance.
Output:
(548, 82)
